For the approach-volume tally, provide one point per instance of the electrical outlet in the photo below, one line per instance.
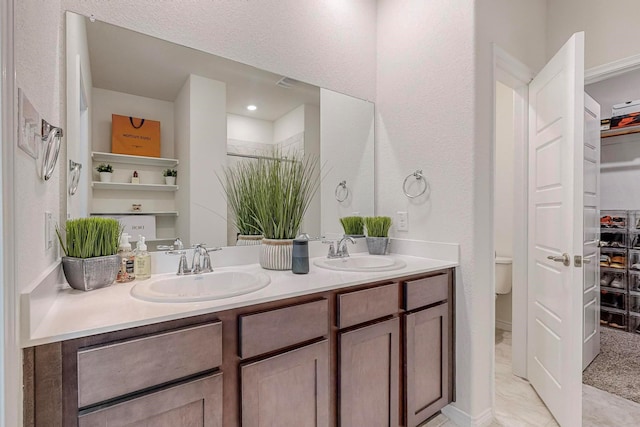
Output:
(48, 230)
(402, 221)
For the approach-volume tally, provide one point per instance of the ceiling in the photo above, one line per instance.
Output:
(126, 61)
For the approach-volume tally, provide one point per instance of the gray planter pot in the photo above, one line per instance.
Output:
(86, 274)
(377, 245)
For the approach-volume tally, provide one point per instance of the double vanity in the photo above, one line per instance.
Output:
(367, 341)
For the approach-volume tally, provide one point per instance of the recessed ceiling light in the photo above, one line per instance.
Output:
(252, 107)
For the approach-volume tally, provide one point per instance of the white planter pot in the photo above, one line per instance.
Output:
(275, 254)
(248, 240)
(106, 176)
(170, 180)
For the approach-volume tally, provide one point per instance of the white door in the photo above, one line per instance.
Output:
(591, 251)
(556, 161)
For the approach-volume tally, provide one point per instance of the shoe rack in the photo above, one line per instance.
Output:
(634, 271)
(616, 239)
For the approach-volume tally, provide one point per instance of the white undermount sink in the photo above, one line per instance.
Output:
(199, 287)
(361, 263)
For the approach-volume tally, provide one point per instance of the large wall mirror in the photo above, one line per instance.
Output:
(201, 103)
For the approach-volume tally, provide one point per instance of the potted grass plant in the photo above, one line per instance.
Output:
(284, 189)
(90, 246)
(239, 184)
(106, 172)
(353, 226)
(377, 234)
(170, 176)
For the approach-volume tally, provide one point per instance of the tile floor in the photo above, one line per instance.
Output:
(518, 405)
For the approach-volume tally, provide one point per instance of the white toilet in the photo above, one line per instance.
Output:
(503, 275)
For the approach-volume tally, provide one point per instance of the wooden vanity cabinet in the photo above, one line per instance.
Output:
(285, 381)
(428, 351)
(378, 354)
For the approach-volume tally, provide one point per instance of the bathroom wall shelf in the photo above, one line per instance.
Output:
(156, 213)
(132, 187)
(98, 156)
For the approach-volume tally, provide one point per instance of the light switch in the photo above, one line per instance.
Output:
(402, 221)
(48, 230)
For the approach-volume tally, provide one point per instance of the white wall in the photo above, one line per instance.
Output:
(424, 120)
(620, 184)
(182, 114)
(504, 191)
(79, 83)
(434, 112)
(39, 66)
(611, 28)
(289, 125)
(108, 102)
(347, 154)
(249, 129)
(208, 156)
(312, 219)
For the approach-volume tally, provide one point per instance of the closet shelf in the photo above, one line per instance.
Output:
(134, 160)
(614, 290)
(619, 131)
(132, 187)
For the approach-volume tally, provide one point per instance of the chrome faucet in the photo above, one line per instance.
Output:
(339, 250)
(200, 263)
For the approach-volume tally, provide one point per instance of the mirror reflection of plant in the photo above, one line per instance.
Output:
(90, 237)
(284, 189)
(104, 167)
(353, 225)
(170, 172)
(377, 226)
(239, 184)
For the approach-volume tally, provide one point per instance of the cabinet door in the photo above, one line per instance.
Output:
(427, 363)
(290, 389)
(369, 375)
(196, 403)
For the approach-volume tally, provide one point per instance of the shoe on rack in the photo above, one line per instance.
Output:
(605, 261)
(617, 282)
(606, 279)
(635, 266)
(619, 261)
(619, 222)
(605, 221)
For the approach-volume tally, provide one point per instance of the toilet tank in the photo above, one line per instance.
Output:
(503, 275)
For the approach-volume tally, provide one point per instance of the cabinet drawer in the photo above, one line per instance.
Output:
(195, 403)
(367, 304)
(422, 292)
(116, 369)
(271, 330)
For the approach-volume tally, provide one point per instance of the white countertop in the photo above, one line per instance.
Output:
(76, 314)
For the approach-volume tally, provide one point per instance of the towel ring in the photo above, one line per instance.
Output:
(52, 138)
(419, 177)
(345, 190)
(74, 172)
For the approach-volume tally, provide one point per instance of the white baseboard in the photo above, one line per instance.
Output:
(501, 324)
(462, 419)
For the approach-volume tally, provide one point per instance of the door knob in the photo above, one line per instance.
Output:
(564, 259)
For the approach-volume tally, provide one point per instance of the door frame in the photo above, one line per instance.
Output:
(512, 73)
(10, 355)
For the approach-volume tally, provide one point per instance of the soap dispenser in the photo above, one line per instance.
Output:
(126, 273)
(142, 268)
(300, 258)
